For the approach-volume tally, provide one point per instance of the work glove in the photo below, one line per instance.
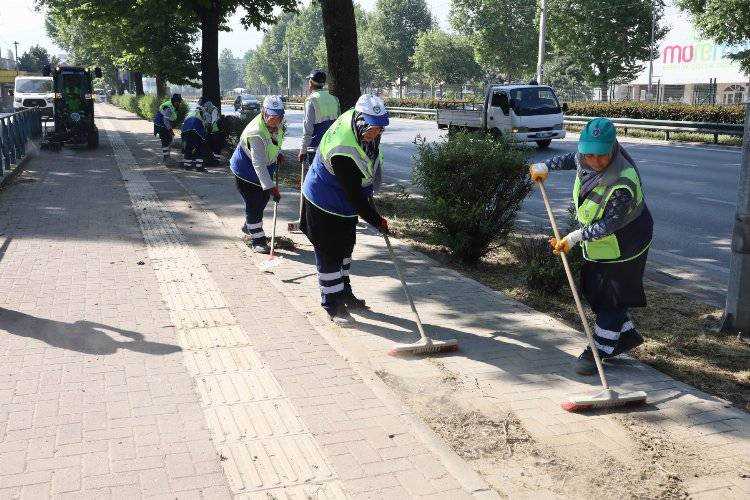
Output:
(383, 226)
(276, 194)
(280, 160)
(567, 243)
(538, 172)
(301, 156)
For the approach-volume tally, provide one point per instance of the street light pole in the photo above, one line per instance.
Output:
(737, 311)
(17, 67)
(651, 58)
(288, 70)
(542, 34)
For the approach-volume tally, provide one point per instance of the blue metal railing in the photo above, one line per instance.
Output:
(16, 130)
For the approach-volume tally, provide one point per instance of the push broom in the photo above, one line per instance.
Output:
(608, 398)
(425, 345)
(273, 260)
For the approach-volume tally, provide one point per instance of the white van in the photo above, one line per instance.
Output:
(33, 92)
(527, 113)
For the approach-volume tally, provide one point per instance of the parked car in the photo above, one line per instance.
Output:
(247, 103)
(33, 92)
(527, 113)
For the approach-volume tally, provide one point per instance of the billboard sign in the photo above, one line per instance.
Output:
(685, 57)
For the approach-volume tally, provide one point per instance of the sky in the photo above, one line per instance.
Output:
(20, 22)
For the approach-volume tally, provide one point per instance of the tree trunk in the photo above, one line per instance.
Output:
(161, 87)
(137, 78)
(340, 30)
(210, 51)
(604, 88)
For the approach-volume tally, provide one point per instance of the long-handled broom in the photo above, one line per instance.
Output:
(273, 260)
(425, 345)
(609, 397)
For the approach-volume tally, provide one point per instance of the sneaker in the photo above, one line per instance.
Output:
(353, 303)
(341, 316)
(628, 340)
(261, 248)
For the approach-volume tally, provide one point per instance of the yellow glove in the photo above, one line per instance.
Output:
(564, 245)
(538, 172)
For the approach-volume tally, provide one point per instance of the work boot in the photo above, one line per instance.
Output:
(340, 315)
(261, 248)
(585, 364)
(628, 340)
(353, 303)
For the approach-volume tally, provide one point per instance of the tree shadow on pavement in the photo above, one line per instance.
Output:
(83, 336)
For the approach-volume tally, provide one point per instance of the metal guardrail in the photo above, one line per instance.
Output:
(668, 126)
(16, 130)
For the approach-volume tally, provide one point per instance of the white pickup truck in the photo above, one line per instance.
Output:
(528, 113)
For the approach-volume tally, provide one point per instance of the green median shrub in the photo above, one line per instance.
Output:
(667, 111)
(473, 185)
(146, 106)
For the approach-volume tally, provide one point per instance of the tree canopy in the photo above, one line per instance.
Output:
(608, 45)
(34, 59)
(440, 58)
(503, 33)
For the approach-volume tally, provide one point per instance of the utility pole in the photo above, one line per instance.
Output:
(737, 311)
(651, 59)
(288, 70)
(17, 67)
(542, 34)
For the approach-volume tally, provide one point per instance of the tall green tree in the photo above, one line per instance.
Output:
(608, 45)
(726, 21)
(228, 76)
(34, 59)
(393, 30)
(503, 33)
(440, 58)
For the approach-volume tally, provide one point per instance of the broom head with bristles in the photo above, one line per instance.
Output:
(608, 398)
(424, 347)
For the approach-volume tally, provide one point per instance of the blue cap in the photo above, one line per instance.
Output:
(597, 137)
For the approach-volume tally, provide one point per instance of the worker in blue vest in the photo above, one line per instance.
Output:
(212, 120)
(254, 163)
(615, 233)
(338, 189)
(195, 148)
(321, 110)
(164, 121)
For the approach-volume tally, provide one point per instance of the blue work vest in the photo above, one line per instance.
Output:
(241, 164)
(196, 124)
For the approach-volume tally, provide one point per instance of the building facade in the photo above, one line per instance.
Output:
(689, 69)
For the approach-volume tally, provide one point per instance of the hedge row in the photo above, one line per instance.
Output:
(145, 106)
(668, 111)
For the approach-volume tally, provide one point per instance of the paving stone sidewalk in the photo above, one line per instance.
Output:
(143, 354)
(512, 355)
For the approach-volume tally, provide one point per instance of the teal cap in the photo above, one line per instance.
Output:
(597, 137)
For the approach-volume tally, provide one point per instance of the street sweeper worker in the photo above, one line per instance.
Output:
(321, 110)
(338, 189)
(195, 149)
(254, 163)
(212, 119)
(164, 121)
(615, 234)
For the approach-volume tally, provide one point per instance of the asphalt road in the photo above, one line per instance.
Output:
(691, 191)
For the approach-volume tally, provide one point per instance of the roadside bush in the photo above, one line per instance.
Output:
(542, 269)
(146, 106)
(473, 185)
(667, 111)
